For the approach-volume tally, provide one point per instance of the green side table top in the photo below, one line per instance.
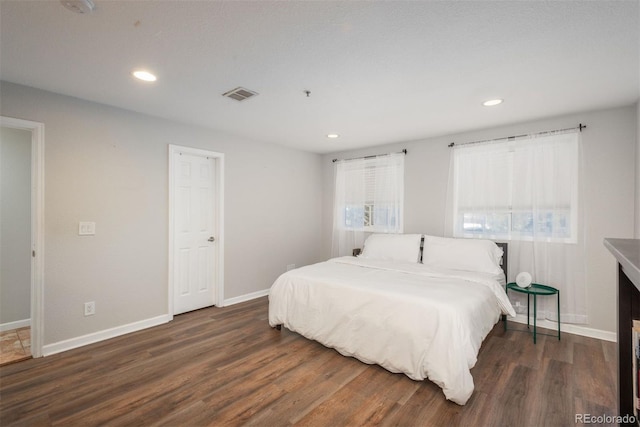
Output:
(534, 289)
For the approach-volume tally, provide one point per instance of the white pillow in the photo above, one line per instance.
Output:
(462, 254)
(393, 247)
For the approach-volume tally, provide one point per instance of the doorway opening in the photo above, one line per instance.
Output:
(35, 237)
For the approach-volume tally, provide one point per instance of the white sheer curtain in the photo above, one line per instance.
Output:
(527, 191)
(368, 197)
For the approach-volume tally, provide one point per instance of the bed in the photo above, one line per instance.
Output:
(421, 312)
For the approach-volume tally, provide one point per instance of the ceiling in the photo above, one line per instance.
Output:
(378, 72)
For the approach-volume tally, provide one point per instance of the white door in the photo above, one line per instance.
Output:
(195, 232)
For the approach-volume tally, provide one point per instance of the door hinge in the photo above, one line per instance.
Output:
(33, 254)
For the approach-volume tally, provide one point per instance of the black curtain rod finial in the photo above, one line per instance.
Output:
(451, 144)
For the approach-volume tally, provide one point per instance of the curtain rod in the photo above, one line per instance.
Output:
(371, 157)
(579, 127)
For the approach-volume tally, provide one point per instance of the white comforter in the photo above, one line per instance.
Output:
(404, 317)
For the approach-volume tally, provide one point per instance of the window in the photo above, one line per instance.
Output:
(370, 216)
(369, 195)
(523, 189)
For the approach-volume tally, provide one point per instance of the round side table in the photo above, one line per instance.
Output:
(535, 289)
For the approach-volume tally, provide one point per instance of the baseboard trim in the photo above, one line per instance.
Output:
(246, 297)
(95, 337)
(569, 328)
(106, 334)
(15, 325)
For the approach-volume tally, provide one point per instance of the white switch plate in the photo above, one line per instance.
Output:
(87, 228)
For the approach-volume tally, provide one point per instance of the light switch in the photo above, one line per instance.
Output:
(87, 228)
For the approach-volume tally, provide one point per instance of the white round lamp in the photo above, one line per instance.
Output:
(523, 279)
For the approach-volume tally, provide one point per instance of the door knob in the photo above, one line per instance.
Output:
(212, 239)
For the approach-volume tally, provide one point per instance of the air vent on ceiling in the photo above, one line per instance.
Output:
(240, 94)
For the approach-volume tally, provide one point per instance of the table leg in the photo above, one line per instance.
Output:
(558, 315)
(528, 303)
(535, 314)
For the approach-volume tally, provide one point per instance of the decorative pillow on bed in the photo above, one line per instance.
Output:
(393, 247)
(462, 254)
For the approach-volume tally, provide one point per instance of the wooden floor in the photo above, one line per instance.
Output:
(226, 366)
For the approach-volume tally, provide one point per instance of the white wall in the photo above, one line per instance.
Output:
(609, 145)
(15, 225)
(109, 165)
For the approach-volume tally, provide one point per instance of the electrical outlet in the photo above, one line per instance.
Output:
(89, 308)
(291, 267)
(518, 304)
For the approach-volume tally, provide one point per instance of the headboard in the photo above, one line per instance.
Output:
(505, 258)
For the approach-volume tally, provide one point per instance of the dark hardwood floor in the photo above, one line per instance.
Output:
(226, 366)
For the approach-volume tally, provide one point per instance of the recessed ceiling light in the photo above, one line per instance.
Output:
(333, 135)
(144, 76)
(492, 102)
